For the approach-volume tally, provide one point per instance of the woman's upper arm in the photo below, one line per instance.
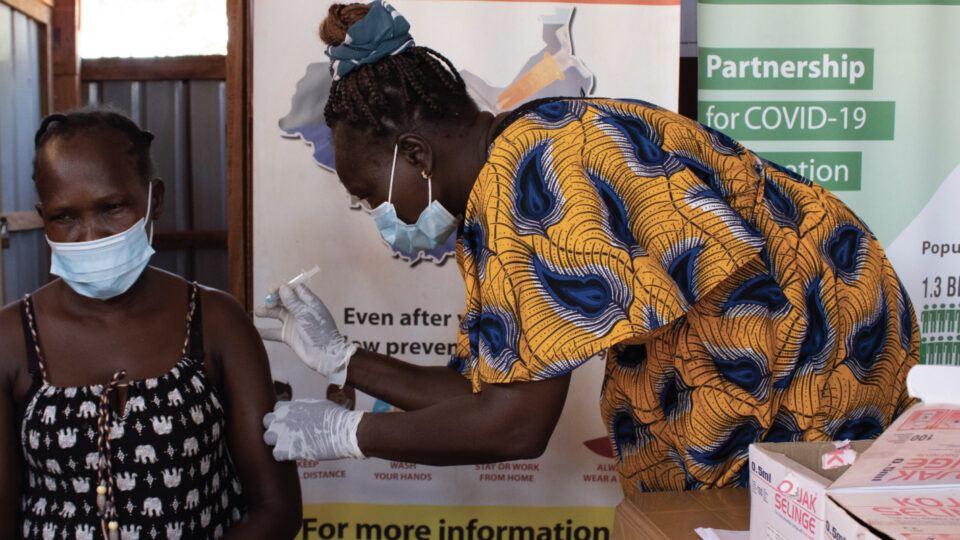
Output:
(248, 391)
(9, 462)
(9, 454)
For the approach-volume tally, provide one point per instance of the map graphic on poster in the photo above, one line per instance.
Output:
(553, 71)
(861, 98)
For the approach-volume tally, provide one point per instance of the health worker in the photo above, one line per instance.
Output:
(733, 300)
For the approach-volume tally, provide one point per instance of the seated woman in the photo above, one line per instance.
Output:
(130, 400)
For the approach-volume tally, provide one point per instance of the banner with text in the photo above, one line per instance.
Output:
(407, 304)
(859, 96)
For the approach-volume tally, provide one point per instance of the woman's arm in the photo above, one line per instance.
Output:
(446, 425)
(504, 422)
(271, 489)
(403, 385)
(10, 335)
(9, 462)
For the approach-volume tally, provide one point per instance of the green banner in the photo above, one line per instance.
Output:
(838, 2)
(860, 97)
(786, 69)
(801, 120)
(836, 171)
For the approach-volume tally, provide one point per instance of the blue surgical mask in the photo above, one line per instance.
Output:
(432, 228)
(106, 267)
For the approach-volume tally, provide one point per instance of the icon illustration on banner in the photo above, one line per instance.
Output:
(553, 71)
(933, 281)
(601, 446)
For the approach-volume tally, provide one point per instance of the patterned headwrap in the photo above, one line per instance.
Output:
(380, 33)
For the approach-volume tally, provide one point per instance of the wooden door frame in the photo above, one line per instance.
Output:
(66, 55)
(239, 72)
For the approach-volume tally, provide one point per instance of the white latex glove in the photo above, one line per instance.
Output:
(309, 329)
(312, 429)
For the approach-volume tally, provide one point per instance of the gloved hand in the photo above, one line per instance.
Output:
(309, 329)
(312, 429)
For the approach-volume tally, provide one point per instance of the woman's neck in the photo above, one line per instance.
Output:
(83, 306)
(472, 148)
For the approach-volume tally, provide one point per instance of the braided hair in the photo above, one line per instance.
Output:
(66, 125)
(395, 93)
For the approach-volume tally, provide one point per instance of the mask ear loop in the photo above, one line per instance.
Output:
(393, 170)
(429, 179)
(146, 218)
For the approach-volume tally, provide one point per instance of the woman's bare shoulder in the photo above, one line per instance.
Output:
(219, 303)
(226, 324)
(13, 347)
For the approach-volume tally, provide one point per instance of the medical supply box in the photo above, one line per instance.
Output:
(788, 487)
(675, 515)
(905, 485)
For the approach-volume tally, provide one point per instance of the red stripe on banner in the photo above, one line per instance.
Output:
(591, 2)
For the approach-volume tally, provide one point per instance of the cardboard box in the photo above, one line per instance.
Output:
(907, 484)
(675, 515)
(920, 450)
(788, 488)
(840, 525)
(906, 515)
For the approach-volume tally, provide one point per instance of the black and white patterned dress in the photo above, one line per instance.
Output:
(163, 463)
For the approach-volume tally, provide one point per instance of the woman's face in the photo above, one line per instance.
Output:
(363, 165)
(88, 189)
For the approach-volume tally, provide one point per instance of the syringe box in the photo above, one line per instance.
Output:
(788, 488)
(907, 485)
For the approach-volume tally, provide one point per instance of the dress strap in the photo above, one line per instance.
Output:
(106, 481)
(35, 362)
(193, 343)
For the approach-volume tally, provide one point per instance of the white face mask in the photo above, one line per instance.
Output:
(106, 267)
(432, 228)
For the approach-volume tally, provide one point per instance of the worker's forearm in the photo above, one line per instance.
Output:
(502, 423)
(404, 385)
(453, 433)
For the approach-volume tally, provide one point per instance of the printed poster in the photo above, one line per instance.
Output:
(407, 304)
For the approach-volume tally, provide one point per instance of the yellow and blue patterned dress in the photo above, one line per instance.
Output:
(736, 301)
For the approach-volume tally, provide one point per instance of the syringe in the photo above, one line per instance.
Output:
(273, 299)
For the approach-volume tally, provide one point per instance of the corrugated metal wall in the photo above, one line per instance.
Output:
(25, 262)
(188, 119)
